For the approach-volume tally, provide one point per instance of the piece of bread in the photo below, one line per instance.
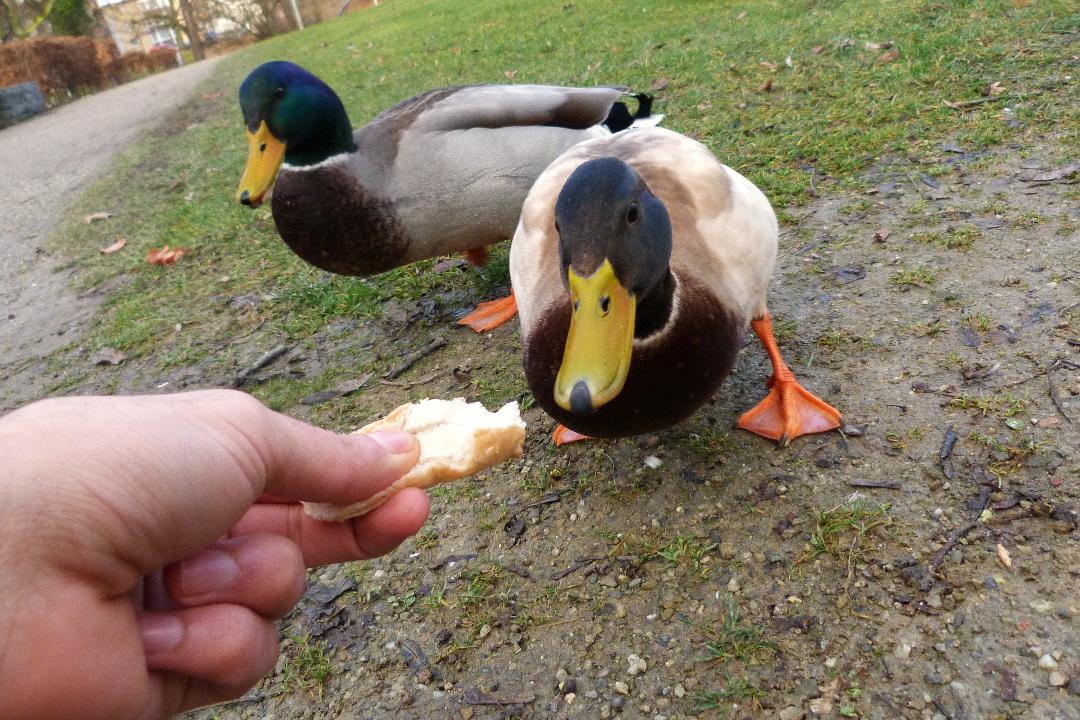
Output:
(456, 439)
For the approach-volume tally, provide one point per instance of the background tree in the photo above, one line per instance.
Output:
(20, 18)
(69, 17)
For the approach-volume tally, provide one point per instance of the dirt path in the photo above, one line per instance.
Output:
(46, 162)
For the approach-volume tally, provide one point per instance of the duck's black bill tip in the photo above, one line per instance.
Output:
(581, 399)
(245, 198)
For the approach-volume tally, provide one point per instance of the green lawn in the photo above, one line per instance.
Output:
(792, 94)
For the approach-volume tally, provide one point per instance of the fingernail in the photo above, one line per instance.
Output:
(161, 633)
(207, 572)
(396, 441)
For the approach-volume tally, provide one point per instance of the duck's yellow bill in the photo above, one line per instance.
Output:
(265, 153)
(596, 359)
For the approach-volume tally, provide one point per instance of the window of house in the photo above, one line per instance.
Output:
(163, 36)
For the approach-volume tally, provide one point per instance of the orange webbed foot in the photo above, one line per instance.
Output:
(490, 315)
(564, 435)
(788, 411)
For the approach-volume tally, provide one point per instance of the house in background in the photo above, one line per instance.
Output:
(144, 25)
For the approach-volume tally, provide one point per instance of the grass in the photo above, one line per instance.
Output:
(735, 638)
(1004, 405)
(914, 277)
(846, 531)
(739, 691)
(306, 666)
(833, 110)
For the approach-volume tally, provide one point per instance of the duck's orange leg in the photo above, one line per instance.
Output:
(789, 410)
(564, 435)
(490, 315)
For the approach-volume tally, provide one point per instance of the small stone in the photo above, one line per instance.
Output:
(568, 686)
(727, 550)
(1047, 662)
(636, 665)
(733, 585)
(622, 688)
(592, 694)
(902, 651)
(605, 711)
(1058, 679)
(466, 713)
(679, 690)
(652, 462)
(570, 698)
(620, 610)
(791, 713)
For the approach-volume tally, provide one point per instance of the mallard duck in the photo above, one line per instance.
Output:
(639, 262)
(441, 172)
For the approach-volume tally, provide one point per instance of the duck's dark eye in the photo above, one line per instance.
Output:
(262, 148)
(577, 304)
(605, 305)
(632, 213)
(278, 92)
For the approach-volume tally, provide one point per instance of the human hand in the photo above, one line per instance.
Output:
(147, 544)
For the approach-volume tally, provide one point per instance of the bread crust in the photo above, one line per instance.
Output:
(478, 449)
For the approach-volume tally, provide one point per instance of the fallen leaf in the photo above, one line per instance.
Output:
(872, 46)
(1048, 422)
(120, 242)
(510, 74)
(348, 387)
(766, 86)
(741, 16)
(816, 50)
(845, 44)
(659, 83)
(887, 57)
(766, 64)
(108, 356)
(94, 217)
(1014, 423)
(881, 234)
(165, 256)
(993, 89)
(1003, 556)
(788, 61)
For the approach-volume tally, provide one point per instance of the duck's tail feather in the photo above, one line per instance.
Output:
(619, 117)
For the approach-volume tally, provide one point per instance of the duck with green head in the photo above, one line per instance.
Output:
(638, 265)
(441, 172)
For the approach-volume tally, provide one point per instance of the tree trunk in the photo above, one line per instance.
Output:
(194, 37)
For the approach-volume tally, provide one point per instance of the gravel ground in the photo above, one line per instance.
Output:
(46, 162)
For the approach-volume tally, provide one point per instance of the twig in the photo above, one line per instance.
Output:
(1021, 381)
(1053, 391)
(955, 535)
(411, 384)
(584, 562)
(415, 357)
(546, 500)
(553, 624)
(475, 697)
(874, 484)
(267, 357)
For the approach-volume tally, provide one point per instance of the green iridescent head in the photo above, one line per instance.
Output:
(292, 116)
